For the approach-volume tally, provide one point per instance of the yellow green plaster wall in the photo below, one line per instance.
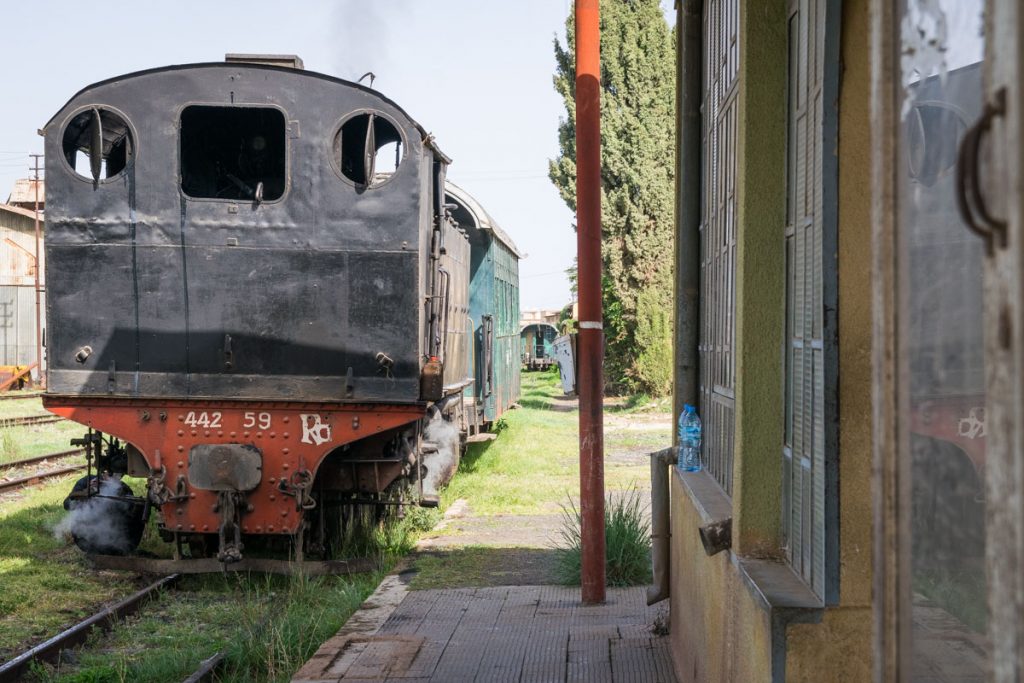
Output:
(719, 632)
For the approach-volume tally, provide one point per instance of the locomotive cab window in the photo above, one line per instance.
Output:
(234, 153)
(367, 149)
(98, 144)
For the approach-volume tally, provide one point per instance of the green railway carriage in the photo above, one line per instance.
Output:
(493, 317)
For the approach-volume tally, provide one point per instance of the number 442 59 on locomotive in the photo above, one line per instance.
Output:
(264, 299)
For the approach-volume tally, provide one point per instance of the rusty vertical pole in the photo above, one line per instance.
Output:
(39, 307)
(590, 344)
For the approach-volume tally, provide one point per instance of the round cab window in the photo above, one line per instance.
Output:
(98, 144)
(368, 149)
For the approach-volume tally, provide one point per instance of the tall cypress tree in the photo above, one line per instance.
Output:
(637, 177)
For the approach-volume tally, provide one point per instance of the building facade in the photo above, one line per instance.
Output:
(17, 285)
(849, 280)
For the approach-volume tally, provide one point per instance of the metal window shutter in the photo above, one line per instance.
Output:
(804, 456)
(718, 237)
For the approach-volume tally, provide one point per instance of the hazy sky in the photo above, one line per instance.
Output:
(476, 73)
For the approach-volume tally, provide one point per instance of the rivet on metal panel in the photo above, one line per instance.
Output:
(220, 433)
(285, 451)
(181, 449)
(232, 208)
(194, 432)
(273, 434)
(270, 527)
(181, 464)
(285, 419)
(272, 480)
(259, 435)
(191, 495)
(284, 513)
(180, 526)
(285, 435)
(284, 466)
(192, 527)
(233, 434)
(259, 529)
(272, 497)
(181, 418)
(245, 434)
(355, 422)
(181, 432)
(206, 527)
(179, 512)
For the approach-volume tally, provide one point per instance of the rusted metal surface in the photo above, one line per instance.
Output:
(225, 467)
(50, 650)
(590, 341)
(294, 438)
(149, 565)
(23, 195)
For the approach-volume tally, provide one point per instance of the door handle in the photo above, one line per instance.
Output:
(969, 199)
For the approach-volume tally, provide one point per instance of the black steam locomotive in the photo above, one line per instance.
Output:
(265, 300)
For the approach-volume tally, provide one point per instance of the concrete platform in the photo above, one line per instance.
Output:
(524, 634)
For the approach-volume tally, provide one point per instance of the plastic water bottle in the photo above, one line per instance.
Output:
(689, 440)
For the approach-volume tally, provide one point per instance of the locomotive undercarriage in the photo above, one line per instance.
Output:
(235, 500)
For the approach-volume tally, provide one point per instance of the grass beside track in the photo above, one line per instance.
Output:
(269, 626)
(533, 465)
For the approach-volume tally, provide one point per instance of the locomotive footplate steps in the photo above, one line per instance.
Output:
(148, 565)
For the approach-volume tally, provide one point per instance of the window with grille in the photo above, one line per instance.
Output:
(809, 451)
(718, 238)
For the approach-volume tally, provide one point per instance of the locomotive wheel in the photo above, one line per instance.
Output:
(104, 526)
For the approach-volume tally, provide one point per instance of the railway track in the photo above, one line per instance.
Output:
(36, 477)
(50, 650)
(29, 420)
(13, 396)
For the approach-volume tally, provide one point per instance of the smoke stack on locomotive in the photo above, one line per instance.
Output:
(261, 295)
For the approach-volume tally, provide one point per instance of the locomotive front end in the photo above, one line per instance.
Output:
(247, 292)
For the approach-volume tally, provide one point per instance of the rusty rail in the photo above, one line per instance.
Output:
(38, 477)
(50, 650)
(41, 458)
(16, 395)
(29, 420)
(206, 669)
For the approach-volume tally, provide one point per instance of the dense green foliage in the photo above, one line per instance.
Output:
(637, 173)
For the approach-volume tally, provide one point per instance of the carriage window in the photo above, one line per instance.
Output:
(98, 144)
(367, 149)
(233, 153)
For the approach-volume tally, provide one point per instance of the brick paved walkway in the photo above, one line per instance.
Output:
(523, 634)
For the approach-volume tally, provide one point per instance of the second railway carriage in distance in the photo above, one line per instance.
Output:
(263, 300)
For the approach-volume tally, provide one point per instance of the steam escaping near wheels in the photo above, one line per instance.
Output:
(441, 451)
(104, 517)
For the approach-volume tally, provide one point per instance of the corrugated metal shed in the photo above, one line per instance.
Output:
(24, 193)
(17, 285)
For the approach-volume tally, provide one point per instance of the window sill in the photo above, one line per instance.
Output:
(775, 587)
